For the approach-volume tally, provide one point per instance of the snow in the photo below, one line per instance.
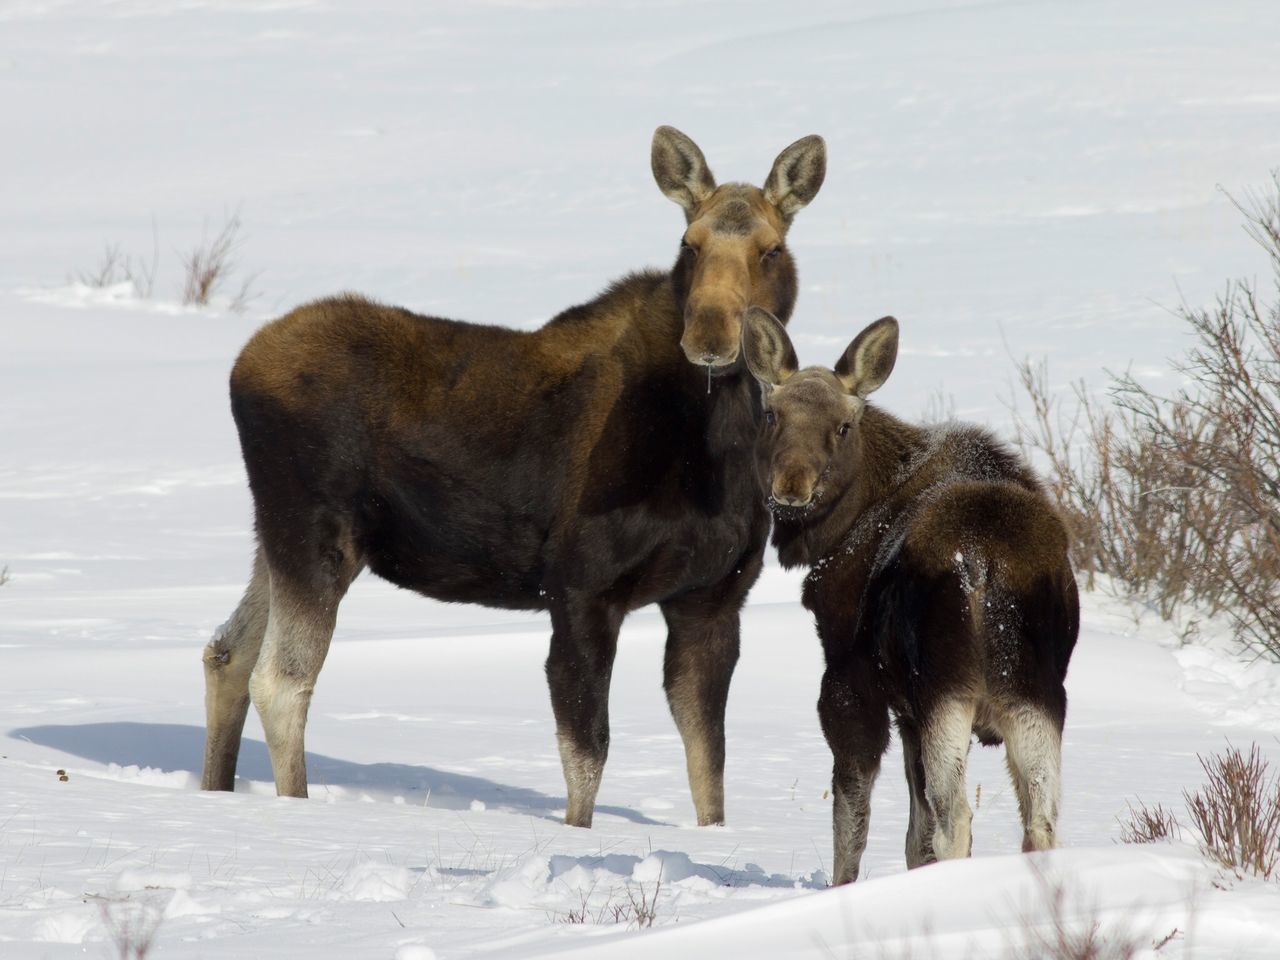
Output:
(1011, 178)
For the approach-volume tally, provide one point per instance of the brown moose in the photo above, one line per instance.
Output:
(598, 464)
(940, 585)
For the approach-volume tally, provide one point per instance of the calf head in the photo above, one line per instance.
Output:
(810, 448)
(733, 253)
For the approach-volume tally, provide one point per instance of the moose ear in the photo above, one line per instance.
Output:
(767, 348)
(680, 169)
(797, 175)
(867, 363)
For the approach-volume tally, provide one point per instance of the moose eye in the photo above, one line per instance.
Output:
(687, 247)
(770, 418)
(843, 429)
(772, 254)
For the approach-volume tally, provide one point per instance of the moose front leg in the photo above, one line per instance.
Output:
(702, 650)
(855, 721)
(584, 640)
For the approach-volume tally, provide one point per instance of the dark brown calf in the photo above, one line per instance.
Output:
(940, 585)
(586, 468)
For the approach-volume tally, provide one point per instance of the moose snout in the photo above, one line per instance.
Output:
(794, 487)
(711, 335)
(791, 499)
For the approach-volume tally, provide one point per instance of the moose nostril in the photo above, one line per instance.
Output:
(710, 358)
(790, 500)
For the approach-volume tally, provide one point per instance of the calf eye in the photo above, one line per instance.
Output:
(770, 418)
(687, 247)
(770, 254)
(843, 428)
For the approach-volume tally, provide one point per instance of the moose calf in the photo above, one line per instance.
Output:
(940, 585)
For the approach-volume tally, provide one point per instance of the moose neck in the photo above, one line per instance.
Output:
(888, 449)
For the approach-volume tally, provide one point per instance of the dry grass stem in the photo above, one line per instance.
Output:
(210, 264)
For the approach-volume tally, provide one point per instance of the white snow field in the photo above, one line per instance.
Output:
(1008, 178)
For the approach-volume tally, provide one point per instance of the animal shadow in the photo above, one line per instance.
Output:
(172, 746)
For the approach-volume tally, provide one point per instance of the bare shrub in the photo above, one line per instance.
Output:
(208, 267)
(644, 907)
(639, 908)
(117, 267)
(132, 925)
(1149, 824)
(1237, 812)
(1063, 936)
(1177, 497)
(4, 576)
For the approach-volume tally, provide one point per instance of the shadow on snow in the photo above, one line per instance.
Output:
(171, 746)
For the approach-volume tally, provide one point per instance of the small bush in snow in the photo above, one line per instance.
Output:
(4, 576)
(1237, 812)
(1149, 824)
(132, 925)
(208, 268)
(209, 265)
(1177, 497)
(116, 267)
(640, 907)
(1060, 930)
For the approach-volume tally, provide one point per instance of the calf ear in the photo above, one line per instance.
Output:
(867, 363)
(767, 348)
(797, 175)
(680, 169)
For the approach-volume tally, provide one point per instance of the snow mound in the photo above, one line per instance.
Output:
(375, 882)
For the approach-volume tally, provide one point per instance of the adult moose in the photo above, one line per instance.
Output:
(940, 585)
(590, 467)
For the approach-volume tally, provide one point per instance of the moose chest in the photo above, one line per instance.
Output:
(670, 501)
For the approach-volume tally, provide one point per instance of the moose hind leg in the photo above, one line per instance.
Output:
(229, 659)
(919, 845)
(944, 750)
(1033, 751)
(584, 640)
(702, 650)
(299, 629)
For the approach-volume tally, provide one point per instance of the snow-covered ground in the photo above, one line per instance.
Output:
(1012, 178)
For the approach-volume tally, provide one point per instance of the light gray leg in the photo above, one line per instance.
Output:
(945, 741)
(1033, 751)
(229, 659)
(293, 651)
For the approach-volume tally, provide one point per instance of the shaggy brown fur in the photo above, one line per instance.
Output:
(940, 585)
(587, 468)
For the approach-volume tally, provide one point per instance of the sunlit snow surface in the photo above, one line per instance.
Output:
(1008, 179)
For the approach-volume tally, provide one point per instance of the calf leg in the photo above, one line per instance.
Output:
(1033, 751)
(944, 750)
(856, 723)
(702, 650)
(920, 825)
(229, 659)
(584, 640)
